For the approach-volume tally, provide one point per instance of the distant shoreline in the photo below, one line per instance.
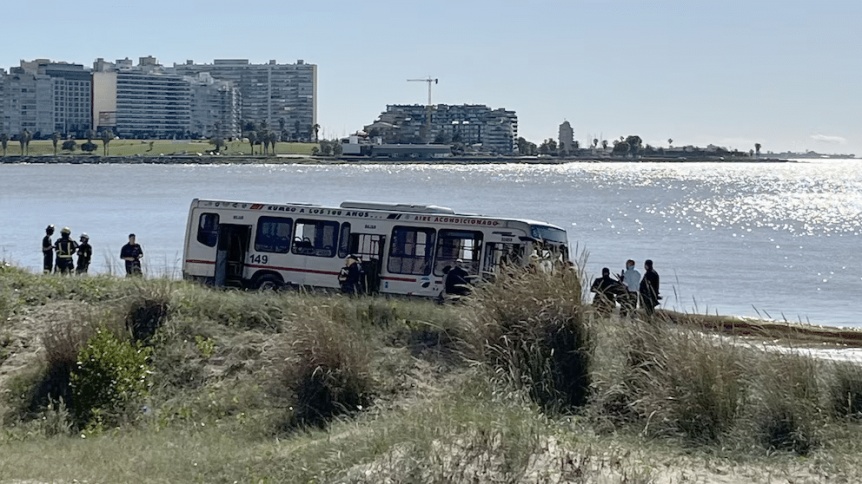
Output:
(301, 159)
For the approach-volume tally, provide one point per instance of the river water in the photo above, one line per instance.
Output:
(771, 239)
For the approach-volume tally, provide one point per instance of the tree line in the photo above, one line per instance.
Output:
(632, 145)
(70, 144)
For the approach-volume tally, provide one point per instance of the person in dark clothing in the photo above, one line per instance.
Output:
(350, 276)
(65, 248)
(457, 283)
(132, 253)
(48, 250)
(606, 291)
(85, 254)
(649, 289)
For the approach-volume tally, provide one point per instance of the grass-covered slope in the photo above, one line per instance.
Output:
(116, 380)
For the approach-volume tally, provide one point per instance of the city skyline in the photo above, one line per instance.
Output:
(734, 73)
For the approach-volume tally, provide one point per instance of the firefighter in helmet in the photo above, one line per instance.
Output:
(85, 253)
(65, 248)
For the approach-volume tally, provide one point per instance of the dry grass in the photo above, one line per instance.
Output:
(326, 371)
(519, 384)
(531, 329)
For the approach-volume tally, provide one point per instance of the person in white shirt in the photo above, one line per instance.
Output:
(631, 278)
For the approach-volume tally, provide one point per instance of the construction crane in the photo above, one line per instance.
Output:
(430, 81)
(426, 127)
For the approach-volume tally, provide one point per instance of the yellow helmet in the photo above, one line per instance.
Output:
(66, 231)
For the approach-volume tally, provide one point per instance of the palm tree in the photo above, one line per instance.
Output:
(273, 139)
(316, 128)
(107, 136)
(757, 149)
(24, 140)
(604, 144)
(252, 139)
(670, 142)
(263, 138)
(4, 140)
(55, 138)
(595, 142)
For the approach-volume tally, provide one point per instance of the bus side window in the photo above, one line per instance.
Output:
(315, 237)
(273, 235)
(502, 256)
(411, 251)
(344, 241)
(458, 244)
(208, 229)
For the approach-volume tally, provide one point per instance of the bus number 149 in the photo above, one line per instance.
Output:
(258, 259)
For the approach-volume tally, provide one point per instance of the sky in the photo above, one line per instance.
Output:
(784, 73)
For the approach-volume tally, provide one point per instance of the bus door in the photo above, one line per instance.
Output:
(370, 248)
(231, 252)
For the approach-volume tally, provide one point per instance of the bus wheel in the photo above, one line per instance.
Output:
(267, 282)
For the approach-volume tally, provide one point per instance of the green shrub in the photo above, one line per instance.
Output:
(327, 372)
(531, 329)
(111, 375)
(63, 341)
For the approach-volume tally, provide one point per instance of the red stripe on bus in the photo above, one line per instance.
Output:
(400, 279)
(293, 269)
(296, 269)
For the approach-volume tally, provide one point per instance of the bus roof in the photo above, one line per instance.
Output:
(377, 207)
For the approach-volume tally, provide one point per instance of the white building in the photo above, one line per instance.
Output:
(216, 109)
(43, 97)
(141, 101)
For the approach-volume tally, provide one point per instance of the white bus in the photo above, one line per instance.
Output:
(404, 249)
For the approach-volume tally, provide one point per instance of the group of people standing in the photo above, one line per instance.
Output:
(65, 248)
(629, 289)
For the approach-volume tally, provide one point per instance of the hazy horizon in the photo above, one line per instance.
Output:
(732, 73)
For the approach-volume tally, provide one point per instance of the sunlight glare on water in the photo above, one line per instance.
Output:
(734, 238)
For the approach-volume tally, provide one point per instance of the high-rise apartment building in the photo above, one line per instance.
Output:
(567, 137)
(495, 130)
(141, 101)
(216, 108)
(283, 95)
(43, 97)
(26, 104)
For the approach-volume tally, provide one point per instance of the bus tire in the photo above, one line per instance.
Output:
(267, 282)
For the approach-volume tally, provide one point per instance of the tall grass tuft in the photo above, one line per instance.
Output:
(148, 307)
(532, 331)
(787, 410)
(845, 390)
(670, 381)
(326, 372)
(63, 342)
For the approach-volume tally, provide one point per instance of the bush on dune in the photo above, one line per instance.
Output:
(326, 371)
(670, 381)
(532, 330)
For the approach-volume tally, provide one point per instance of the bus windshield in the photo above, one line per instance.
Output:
(548, 234)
